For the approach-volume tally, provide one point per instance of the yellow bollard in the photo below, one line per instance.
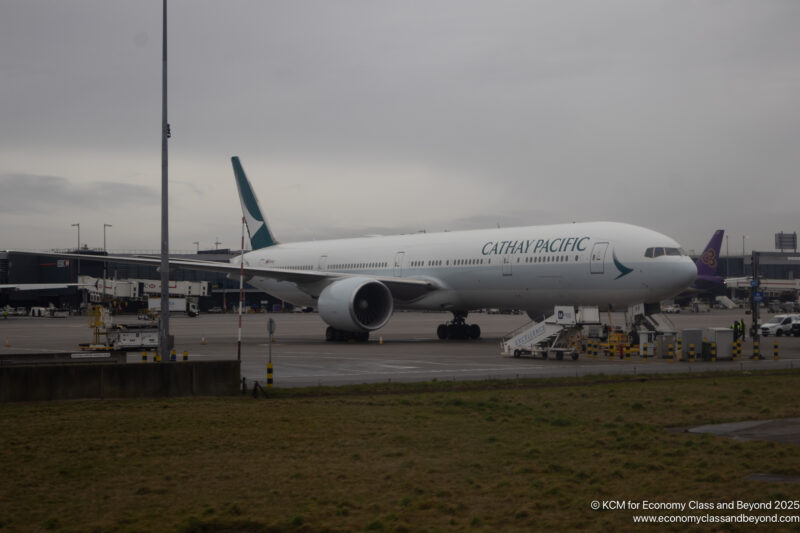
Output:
(644, 355)
(627, 352)
(713, 352)
(680, 350)
(756, 352)
(691, 352)
(775, 351)
(380, 339)
(173, 356)
(185, 355)
(144, 357)
(671, 353)
(269, 375)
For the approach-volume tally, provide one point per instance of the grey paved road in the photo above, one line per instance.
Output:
(410, 350)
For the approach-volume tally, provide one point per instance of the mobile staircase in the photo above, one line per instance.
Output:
(651, 333)
(636, 317)
(556, 335)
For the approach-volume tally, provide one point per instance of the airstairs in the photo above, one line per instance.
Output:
(555, 335)
(658, 323)
(726, 302)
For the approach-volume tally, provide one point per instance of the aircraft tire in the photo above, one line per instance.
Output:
(474, 331)
(517, 353)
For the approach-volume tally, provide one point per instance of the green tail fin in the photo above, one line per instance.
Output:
(260, 235)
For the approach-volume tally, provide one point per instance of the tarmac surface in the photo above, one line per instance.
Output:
(406, 350)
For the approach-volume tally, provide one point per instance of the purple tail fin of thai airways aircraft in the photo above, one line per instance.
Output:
(707, 264)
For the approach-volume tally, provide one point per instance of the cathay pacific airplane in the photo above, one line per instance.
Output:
(356, 284)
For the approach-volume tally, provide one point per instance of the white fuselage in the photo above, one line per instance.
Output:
(531, 268)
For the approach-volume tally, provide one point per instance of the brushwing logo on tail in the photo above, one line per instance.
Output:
(253, 224)
(260, 236)
(623, 270)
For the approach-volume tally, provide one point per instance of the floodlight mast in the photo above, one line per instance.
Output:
(163, 330)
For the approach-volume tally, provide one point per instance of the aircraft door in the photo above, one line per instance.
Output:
(598, 258)
(323, 263)
(398, 263)
(506, 265)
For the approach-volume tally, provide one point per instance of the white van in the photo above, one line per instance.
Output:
(778, 325)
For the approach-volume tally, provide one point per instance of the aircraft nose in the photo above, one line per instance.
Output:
(686, 273)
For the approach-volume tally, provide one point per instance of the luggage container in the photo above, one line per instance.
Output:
(723, 337)
(689, 337)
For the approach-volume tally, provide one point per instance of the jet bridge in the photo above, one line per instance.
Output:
(556, 335)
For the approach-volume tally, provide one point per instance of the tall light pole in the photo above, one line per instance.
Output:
(78, 225)
(728, 260)
(163, 331)
(78, 262)
(104, 234)
(743, 238)
(104, 263)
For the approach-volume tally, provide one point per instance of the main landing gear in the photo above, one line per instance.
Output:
(337, 335)
(458, 329)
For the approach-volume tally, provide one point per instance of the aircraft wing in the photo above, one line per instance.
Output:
(311, 281)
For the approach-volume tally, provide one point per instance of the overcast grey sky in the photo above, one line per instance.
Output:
(362, 117)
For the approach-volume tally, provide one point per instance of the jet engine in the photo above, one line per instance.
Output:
(356, 304)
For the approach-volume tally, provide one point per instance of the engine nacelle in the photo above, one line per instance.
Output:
(356, 304)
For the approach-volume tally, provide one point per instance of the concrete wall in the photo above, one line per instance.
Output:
(68, 382)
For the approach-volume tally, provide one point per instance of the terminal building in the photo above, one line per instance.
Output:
(125, 283)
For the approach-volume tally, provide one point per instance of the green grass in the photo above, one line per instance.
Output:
(501, 456)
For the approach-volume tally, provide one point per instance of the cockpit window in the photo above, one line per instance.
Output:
(659, 251)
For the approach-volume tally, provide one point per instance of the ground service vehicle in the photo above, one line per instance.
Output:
(778, 325)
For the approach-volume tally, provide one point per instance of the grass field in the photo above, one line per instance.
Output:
(505, 456)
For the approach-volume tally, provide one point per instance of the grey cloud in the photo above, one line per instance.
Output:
(551, 111)
(29, 193)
